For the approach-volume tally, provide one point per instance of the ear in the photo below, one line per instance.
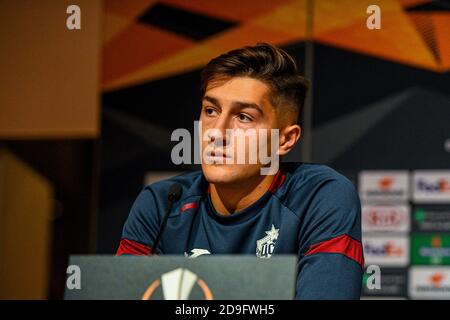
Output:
(288, 138)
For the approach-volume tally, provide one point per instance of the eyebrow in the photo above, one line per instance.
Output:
(235, 104)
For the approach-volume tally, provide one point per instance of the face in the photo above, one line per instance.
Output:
(239, 103)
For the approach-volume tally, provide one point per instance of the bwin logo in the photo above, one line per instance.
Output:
(178, 284)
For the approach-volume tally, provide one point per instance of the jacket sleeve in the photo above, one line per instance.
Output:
(141, 226)
(331, 260)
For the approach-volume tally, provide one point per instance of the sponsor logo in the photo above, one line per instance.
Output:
(436, 279)
(384, 185)
(431, 249)
(431, 219)
(432, 283)
(266, 245)
(178, 284)
(385, 218)
(431, 186)
(386, 251)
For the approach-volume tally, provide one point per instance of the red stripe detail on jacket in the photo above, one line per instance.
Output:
(132, 247)
(342, 244)
(278, 180)
(190, 205)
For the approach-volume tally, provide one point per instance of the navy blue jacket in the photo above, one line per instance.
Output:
(310, 210)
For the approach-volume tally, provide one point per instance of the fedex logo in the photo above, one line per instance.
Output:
(386, 251)
(441, 185)
(431, 186)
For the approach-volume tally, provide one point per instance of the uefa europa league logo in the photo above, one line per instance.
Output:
(178, 285)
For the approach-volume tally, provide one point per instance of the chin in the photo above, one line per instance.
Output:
(228, 174)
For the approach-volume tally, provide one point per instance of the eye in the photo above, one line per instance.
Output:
(210, 111)
(245, 118)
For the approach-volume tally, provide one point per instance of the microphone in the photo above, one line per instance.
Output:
(174, 195)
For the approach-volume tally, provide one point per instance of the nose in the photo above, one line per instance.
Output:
(218, 135)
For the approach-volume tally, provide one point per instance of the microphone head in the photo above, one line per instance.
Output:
(175, 192)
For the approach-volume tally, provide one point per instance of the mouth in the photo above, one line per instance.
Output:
(216, 156)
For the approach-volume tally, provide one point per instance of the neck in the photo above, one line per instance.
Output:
(228, 199)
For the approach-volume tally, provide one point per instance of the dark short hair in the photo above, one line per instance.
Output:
(263, 62)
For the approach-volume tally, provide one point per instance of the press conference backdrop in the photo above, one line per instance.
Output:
(406, 225)
(378, 111)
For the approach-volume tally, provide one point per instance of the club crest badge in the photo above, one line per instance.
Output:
(266, 245)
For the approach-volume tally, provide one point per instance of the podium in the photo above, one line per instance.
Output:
(212, 277)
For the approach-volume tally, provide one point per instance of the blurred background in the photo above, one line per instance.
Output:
(86, 117)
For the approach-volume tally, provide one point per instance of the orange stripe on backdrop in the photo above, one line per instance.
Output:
(113, 25)
(234, 10)
(398, 40)
(283, 25)
(196, 56)
(410, 3)
(119, 14)
(249, 34)
(176, 63)
(334, 14)
(127, 9)
(287, 19)
(137, 46)
(424, 25)
(441, 22)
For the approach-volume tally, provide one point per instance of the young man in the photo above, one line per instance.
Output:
(232, 208)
